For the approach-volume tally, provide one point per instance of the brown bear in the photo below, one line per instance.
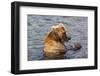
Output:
(54, 47)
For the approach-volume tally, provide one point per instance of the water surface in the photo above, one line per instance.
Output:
(39, 25)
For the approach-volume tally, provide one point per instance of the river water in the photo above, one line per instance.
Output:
(39, 25)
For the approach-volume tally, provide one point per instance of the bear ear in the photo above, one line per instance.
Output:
(53, 28)
(61, 25)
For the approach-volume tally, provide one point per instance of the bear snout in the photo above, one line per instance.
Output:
(69, 38)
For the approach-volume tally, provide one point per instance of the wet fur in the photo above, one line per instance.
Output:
(54, 43)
